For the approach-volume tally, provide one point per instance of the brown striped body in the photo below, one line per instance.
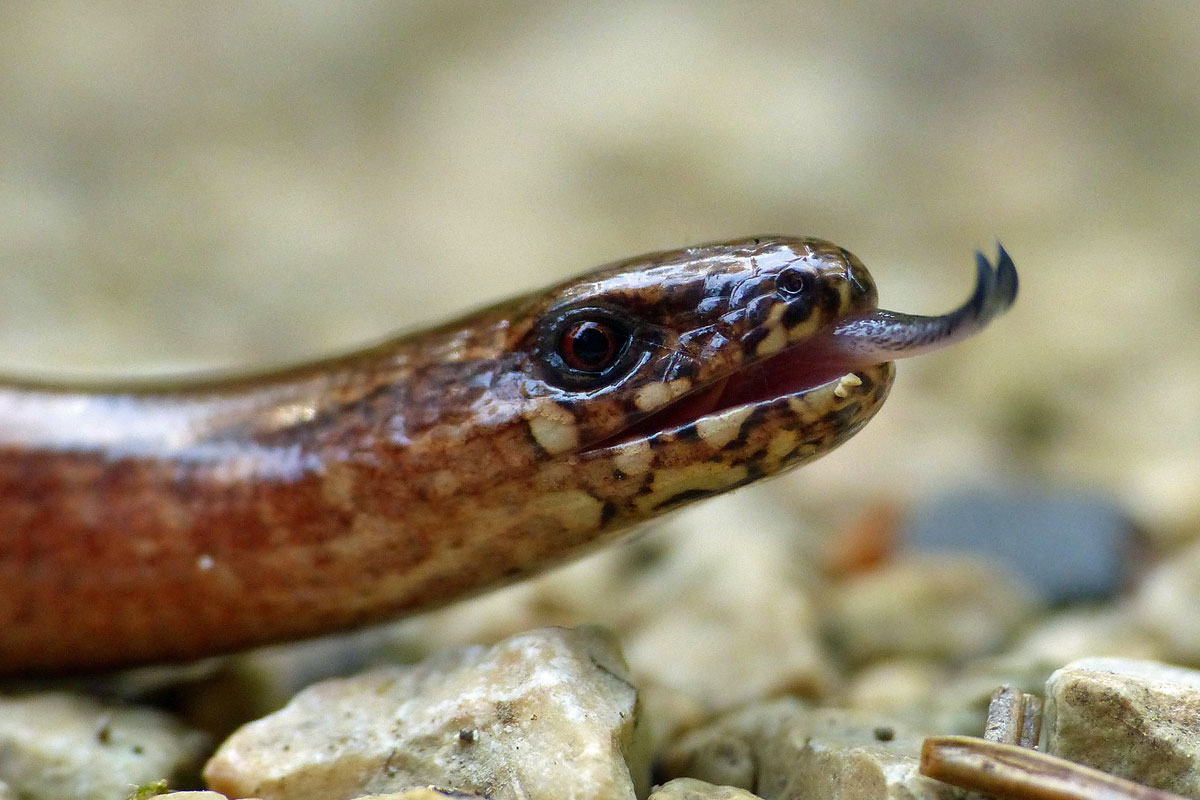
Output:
(150, 523)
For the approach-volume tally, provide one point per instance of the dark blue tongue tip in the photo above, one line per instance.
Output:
(882, 335)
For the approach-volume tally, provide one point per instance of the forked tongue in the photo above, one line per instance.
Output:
(880, 335)
(859, 341)
(877, 336)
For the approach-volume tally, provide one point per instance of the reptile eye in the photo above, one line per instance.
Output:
(586, 347)
(791, 281)
(590, 345)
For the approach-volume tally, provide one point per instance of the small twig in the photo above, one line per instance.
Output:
(1014, 717)
(1018, 773)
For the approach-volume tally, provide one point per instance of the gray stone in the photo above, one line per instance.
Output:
(55, 745)
(788, 749)
(1065, 545)
(1136, 719)
(541, 711)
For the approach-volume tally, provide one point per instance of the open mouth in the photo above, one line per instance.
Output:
(858, 342)
(793, 372)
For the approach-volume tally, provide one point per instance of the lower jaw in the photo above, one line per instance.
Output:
(729, 399)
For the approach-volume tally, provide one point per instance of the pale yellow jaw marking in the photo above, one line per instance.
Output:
(722, 428)
(845, 384)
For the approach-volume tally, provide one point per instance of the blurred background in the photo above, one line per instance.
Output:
(190, 185)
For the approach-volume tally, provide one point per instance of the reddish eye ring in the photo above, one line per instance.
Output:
(589, 346)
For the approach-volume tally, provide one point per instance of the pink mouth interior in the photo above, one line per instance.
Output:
(789, 372)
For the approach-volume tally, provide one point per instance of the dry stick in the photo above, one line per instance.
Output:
(1018, 773)
(1014, 717)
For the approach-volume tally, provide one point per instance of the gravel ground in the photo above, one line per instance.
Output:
(222, 184)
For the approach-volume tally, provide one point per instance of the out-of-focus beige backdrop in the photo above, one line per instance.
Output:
(212, 184)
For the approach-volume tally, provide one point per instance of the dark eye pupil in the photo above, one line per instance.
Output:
(589, 346)
(791, 281)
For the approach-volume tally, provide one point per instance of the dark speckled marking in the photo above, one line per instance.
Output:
(682, 369)
(798, 311)
(759, 309)
(686, 496)
(752, 339)
(845, 415)
(830, 299)
(754, 472)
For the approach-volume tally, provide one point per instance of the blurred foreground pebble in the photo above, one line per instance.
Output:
(60, 746)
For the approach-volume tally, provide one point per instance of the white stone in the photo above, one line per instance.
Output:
(541, 711)
(1136, 719)
(692, 789)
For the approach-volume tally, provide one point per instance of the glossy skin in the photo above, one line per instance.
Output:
(155, 523)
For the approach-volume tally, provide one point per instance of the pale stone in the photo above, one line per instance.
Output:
(895, 686)
(1165, 604)
(1076, 633)
(953, 607)
(423, 793)
(1136, 719)
(667, 713)
(742, 618)
(692, 789)
(787, 749)
(56, 745)
(191, 796)
(543, 710)
(933, 696)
